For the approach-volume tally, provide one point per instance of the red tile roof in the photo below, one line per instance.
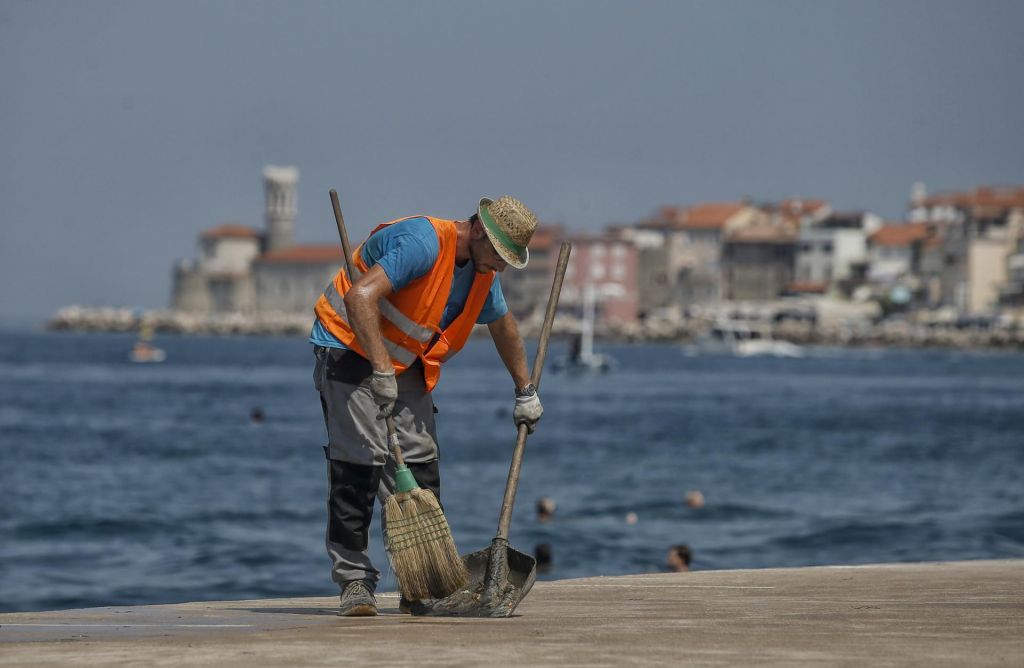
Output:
(900, 234)
(231, 230)
(710, 215)
(309, 254)
(1001, 197)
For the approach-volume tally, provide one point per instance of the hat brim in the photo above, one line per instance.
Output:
(514, 259)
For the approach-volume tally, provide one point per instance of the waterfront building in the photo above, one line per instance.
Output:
(703, 228)
(981, 231)
(240, 269)
(832, 250)
(894, 250)
(607, 262)
(656, 282)
(219, 279)
(290, 280)
(758, 261)
(900, 255)
(681, 252)
(655, 290)
(1011, 293)
(930, 268)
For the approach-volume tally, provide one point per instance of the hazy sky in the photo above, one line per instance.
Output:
(128, 127)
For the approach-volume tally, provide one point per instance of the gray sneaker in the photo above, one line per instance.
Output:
(357, 600)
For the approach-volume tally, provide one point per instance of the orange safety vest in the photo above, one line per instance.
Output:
(411, 317)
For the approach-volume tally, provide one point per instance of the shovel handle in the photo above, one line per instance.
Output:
(347, 249)
(512, 486)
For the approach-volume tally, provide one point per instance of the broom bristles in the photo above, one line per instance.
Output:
(419, 542)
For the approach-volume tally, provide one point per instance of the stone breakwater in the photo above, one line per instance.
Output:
(168, 321)
(108, 319)
(902, 333)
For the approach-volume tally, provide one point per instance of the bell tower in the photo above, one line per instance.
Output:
(279, 185)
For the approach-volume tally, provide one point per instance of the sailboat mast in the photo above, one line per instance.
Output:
(587, 339)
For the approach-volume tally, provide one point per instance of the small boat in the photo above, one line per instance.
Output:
(143, 351)
(581, 357)
(743, 338)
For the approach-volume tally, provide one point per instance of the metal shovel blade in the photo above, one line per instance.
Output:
(500, 576)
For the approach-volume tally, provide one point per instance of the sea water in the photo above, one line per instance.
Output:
(126, 483)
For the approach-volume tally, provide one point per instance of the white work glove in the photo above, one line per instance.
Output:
(385, 391)
(528, 409)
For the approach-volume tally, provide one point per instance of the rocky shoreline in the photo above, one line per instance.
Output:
(895, 333)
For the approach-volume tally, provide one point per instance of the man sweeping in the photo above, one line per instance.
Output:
(421, 284)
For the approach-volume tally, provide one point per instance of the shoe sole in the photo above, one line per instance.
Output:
(360, 611)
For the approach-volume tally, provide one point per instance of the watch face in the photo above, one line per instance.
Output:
(527, 391)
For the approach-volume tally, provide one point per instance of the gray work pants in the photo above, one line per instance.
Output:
(359, 465)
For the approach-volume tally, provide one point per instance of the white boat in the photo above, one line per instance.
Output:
(581, 357)
(743, 338)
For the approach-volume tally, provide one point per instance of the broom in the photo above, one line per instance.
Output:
(417, 536)
(418, 539)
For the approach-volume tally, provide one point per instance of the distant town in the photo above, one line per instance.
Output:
(950, 273)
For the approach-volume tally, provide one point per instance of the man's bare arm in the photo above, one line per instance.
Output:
(364, 315)
(509, 344)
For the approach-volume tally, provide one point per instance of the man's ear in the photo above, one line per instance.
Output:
(476, 230)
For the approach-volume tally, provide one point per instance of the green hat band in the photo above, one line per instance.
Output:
(485, 215)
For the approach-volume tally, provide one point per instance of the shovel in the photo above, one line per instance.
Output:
(501, 576)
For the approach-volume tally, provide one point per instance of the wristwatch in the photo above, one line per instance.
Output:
(527, 391)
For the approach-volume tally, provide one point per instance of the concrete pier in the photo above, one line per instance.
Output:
(955, 614)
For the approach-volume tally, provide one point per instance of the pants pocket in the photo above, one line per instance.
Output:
(346, 366)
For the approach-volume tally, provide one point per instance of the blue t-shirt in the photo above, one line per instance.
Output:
(406, 251)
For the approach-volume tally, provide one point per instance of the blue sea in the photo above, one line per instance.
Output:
(126, 483)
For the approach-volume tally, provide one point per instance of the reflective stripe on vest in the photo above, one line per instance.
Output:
(387, 309)
(395, 351)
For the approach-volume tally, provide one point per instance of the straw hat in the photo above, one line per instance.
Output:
(509, 226)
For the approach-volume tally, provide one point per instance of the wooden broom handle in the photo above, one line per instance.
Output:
(339, 219)
(512, 486)
(342, 232)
